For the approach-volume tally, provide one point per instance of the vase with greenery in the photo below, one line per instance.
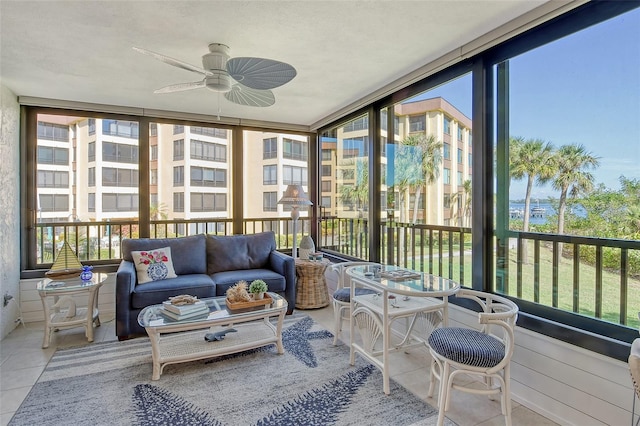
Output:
(257, 288)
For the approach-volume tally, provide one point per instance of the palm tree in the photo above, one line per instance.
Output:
(533, 160)
(158, 212)
(463, 202)
(358, 192)
(572, 177)
(417, 165)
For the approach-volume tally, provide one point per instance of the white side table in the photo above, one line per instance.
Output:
(60, 310)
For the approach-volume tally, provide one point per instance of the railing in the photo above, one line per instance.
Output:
(595, 277)
(100, 241)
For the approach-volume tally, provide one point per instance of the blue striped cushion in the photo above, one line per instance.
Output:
(344, 294)
(467, 346)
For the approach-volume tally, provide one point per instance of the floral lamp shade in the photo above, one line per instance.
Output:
(294, 195)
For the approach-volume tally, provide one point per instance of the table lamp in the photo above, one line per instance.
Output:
(294, 196)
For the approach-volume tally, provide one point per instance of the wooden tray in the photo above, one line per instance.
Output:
(267, 300)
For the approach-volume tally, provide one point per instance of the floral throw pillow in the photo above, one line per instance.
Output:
(153, 265)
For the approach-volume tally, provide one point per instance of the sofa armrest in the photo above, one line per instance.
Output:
(126, 279)
(285, 266)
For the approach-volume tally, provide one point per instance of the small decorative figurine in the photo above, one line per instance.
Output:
(86, 273)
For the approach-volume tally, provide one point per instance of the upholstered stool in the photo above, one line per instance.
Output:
(467, 346)
(485, 352)
(342, 296)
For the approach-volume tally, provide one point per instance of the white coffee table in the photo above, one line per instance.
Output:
(174, 342)
(63, 312)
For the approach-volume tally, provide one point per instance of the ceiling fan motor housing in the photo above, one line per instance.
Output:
(216, 62)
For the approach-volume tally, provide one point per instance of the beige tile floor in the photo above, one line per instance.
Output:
(22, 360)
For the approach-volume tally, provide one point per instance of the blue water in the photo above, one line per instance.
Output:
(549, 211)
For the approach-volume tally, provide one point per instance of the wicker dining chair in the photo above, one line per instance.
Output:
(485, 353)
(342, 296)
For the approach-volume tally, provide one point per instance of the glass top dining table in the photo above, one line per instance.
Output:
(397, 293)
(403, 281)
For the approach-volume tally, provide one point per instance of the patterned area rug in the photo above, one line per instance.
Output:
(311, 384)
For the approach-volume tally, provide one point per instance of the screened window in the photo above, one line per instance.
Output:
(126, 129)
(119, 177)
(54, 202)
(91, 148)
(269, 148)
(361, 123)
(207, 202)
(119, 202)
(178, 201)
(295, 150)
(178, 149)
(204, 176)
(53, 179)
(294, 175)
(178, 176)
(446, 201)
(209, 131)
(270, 175)
(355, 147)
(270, 201)
(51, 155)
(53, 132)
(417, 123)
(119, 153)
(209, 151)
(91, 176)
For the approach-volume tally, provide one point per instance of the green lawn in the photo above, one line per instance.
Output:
(587, 284)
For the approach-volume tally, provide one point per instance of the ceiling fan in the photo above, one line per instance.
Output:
(243, 80)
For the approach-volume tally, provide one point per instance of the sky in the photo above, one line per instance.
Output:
(583, 89)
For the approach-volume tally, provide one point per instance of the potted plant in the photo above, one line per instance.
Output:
(257, 289)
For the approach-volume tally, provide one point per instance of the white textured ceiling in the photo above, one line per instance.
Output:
(342, 50)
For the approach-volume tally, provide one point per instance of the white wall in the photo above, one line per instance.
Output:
(567, 384)
(10, 208)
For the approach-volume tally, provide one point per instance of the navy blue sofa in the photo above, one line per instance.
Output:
(206, 266)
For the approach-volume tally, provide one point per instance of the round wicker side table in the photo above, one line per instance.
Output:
(311, 285)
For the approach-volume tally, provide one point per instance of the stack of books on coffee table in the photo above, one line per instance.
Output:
(181, 312)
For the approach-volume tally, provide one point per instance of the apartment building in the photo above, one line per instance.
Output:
(345, 155)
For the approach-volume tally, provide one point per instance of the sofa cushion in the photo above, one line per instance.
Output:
(153, 265)
(156, 292)
(239, 252)
(189, 253)
(224, 280)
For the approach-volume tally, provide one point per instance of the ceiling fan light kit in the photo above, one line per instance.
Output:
(244, 81)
